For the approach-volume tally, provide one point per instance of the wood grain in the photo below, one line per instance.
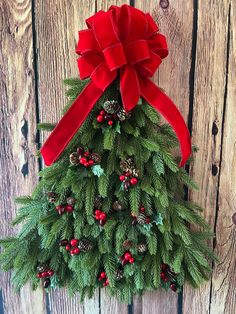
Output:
(56, 25)
(18, 165)
(209, 93)
(175, 22)
(223, 281)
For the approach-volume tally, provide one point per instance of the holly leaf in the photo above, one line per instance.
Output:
(117, 127)
(158, 220)
(97, 170)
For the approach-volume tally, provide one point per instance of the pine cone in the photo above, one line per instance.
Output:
(127, 244)
(141, 218)
(119, 274)
(127, 164)
(70, 200)
(117, 206)
(136, 172)
(122, 115)
(85, 245)
(111, 106)
(96, 158)
(98, 202)
(52, 197)
(42, 268)
(74, 159)
(142, 247)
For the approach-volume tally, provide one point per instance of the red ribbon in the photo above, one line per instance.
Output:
(123, 41)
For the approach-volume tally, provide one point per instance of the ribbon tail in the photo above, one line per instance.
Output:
(70, 123)
(163, 104)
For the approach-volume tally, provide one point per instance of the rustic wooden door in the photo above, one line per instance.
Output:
(37, 41)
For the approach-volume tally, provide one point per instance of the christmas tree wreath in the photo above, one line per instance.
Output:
(110, 209)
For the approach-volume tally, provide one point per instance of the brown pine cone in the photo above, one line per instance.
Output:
(127, 244)
(142, 247)
(74, 159)
(96, 158)
(141, 218)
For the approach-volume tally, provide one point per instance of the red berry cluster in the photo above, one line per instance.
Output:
(100, 216)
(103, 277)
(62, 209)
(103, 116)
(128, 179)
(142, 211)
(46, 273)
(126, 258)
(71, 246)
(168, 276)
(86, 160)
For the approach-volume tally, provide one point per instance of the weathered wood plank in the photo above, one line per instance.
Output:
(57, 24)
(18, 165)
(175, 22)
(210, 82)
(223, 281)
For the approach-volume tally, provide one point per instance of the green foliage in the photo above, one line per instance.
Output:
(160, 190)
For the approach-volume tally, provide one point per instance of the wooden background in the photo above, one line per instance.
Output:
(37, 41)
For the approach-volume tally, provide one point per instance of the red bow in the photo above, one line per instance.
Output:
(122, 41)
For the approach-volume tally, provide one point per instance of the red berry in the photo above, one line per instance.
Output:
(166, 279)
(50, 272)
(127, 256)
(91, 162)
(82, 160)
(107, 281)
(74, 242)
(60, 209)
(97, 212)
(131, 260)
(102, 112)
(128, 174)
(100, 118)
(104, 284)
(44, 274)
(163, 266)
(103, 216)
(86, 164)
(142, 209)
(76, 250)
(80, 151)
(102, 222)
(63, 242)
(110, 122)
(103, 275)
(133, 181)
(39, 275)
(108, 117)
(124, 262)
(173, 287)
(122, 178)
(163, 275)
(148, 220)
(87, 154)
(69, 208)
(68, 247)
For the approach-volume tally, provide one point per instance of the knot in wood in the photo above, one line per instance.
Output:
(164, 4)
